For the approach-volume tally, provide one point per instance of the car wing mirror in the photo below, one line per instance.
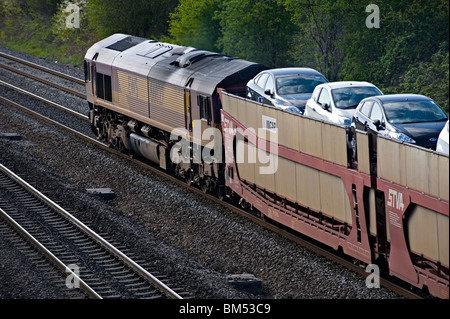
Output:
(326, 107)
(268, 92)
(377, 124)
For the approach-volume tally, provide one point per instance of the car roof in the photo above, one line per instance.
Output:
(400, 97)
(290, 71)
(344, 84)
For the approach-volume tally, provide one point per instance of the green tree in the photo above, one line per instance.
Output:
(407, 54)
(430, 78)
(259, 31)
(321, 26)
(9, 8)
(42, 7)
(140, 17)
(194, 24)
(410, 32)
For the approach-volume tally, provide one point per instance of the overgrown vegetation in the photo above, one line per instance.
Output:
(408, 53)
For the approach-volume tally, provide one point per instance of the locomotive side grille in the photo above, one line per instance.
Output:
(132, 93)
(166, 104)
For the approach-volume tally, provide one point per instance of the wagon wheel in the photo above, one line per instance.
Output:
(204, 186)
(188, 177)
(220, 193)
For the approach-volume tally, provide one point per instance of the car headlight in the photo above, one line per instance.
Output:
(293, 110)
(401, 137)
(344, 120)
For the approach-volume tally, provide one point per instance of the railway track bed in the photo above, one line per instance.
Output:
(92, 264)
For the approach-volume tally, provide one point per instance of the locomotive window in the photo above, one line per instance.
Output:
(104, 88)
(108, 89)
(208, 110)
(204, 104)
(87, 71)
(99, 84)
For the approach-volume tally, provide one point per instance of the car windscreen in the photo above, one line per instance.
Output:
(413, 112)
(298, 84)
(349, 97)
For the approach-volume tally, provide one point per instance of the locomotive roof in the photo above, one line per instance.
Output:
(201, 70)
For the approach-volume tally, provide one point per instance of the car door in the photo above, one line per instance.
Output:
(311, 104)
(361, 117)
(376, 124)
(258, 95)
(269, 92)
(323, 108)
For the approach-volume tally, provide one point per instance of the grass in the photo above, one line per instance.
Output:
(35, 37)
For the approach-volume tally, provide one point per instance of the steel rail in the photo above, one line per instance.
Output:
(47, 82)
(105, 244)
(42, 68)
(55, 260)
(42, 99)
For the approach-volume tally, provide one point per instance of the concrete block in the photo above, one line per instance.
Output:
(246, 282)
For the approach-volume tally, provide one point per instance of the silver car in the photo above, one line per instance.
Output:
(285, 88)
(335, 102)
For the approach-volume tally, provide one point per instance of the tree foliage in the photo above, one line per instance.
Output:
(407, 53)
(256, 30)
(410, 33)
(9, 8)
(194, 23)
(42, 7)
(138, 17)
(430, 78)
(321, 23)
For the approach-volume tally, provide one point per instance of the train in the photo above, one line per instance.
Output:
(185, 110)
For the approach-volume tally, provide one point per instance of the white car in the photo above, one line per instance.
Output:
(442, 143)
(335, 102)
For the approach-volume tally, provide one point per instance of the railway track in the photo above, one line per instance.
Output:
(91, 263)
(293, 237)
(77, 81)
